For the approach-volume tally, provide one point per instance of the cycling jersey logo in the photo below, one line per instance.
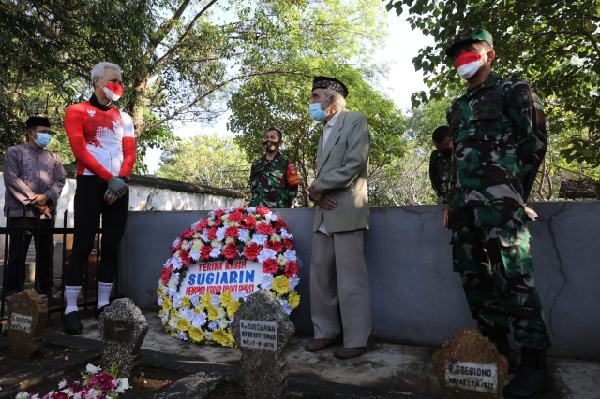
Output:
(91, 113)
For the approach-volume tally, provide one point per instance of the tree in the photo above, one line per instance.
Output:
(553, 44)
(206, 160)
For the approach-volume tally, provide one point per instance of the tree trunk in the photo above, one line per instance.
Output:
(139, 103)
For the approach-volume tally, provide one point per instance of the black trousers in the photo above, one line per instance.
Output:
(17, 252)
(89, 204)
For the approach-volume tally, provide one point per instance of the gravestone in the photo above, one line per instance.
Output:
(27, 316)
(122, 328)
(262, 329)
(470, 367)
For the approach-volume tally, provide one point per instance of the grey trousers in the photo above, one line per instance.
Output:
(338, 278)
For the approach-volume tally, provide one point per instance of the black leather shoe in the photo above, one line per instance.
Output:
(98, 311)
(71, 324)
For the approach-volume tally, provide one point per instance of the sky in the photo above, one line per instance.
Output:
(401, 45)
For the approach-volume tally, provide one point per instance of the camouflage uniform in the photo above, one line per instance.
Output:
(273, 183)
(499, 133)
(440, 174)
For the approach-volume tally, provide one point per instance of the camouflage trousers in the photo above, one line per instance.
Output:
(491, 251)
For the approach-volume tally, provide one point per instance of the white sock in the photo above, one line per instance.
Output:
(104, 290)
(71, 294)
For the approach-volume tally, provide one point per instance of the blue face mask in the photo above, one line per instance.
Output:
(43, 139)
(316, 112)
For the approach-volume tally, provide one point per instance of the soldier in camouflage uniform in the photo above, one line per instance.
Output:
(273, 178)
(440, 164)
(499, 133)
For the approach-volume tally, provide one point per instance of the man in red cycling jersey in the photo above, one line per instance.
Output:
(103, 142)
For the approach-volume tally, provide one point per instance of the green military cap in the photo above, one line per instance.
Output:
(468, 36)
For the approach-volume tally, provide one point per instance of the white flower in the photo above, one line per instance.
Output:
(176, 261)
(160, 301)
(284, 234)
(92, 394)
(77, 395)
(204, 235)
(195, 255)
(182, 336)
(22, 395)
(223, 323)
(211, 214)
(62, 384)
(294, 283)
(267, 281)
(266, 253)
(215, 300)
(286, 306)
(176, 300)
(259, 239)
(186, 314)
(215, 252)
(213, 325)
(176, 242)
(199, 320)
(251, 209)
(221, 233)
(172, 291)
(240, 295)
(269, 216)
(91, 369)
(164, 317)
(195, 300)
(243, 234)
(173, 323)
(186, 245)
(290, 254)
(123, 385)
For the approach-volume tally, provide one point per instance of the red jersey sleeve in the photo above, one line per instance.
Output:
(74, 122)
(129, 146)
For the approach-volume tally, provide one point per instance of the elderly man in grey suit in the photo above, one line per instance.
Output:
(338, 273)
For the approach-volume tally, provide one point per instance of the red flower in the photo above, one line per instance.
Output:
(165, 274)
(230, 251)
(219, 213)
(185, 256)
(205, 252)
(265, 228)
(252, 250)
(291, 269)
(288, 244)
(280, 224)
(212, 234)
(249, 222)
(236, 216)
(60, 395)
(201, 225)
(274, 245)
(218, 222)
(187, 234)
(231, 231)
(270, 266)
(262, 210)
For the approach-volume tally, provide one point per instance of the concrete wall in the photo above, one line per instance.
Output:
(416, 296)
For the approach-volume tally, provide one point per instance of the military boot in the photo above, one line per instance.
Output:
(532, 378)
(501, 343)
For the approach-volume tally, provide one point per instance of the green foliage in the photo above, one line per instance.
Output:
(208, 160)
(551, 43)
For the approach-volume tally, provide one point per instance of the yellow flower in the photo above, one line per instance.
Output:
(185, 302)
(227, 298)
(205, 300)
(197, 245)
(212, 312)
(293, 299)
(281, 260)
(281, 284)
(196, 335)
(166, 303)
(183, 324)
(199, 309)
(224, 338)
(232, 308)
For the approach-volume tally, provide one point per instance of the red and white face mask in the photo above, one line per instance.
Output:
(468, 63)
(113, 90)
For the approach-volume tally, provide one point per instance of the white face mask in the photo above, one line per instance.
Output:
(468, 63)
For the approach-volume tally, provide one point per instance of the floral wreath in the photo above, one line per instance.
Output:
(251, 234)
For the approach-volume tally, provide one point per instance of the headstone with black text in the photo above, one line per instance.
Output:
(470, 367)
(122, 328)
(27, 316)
(262, 330)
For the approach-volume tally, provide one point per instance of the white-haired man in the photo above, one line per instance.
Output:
(103, 142)
(338, 273)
